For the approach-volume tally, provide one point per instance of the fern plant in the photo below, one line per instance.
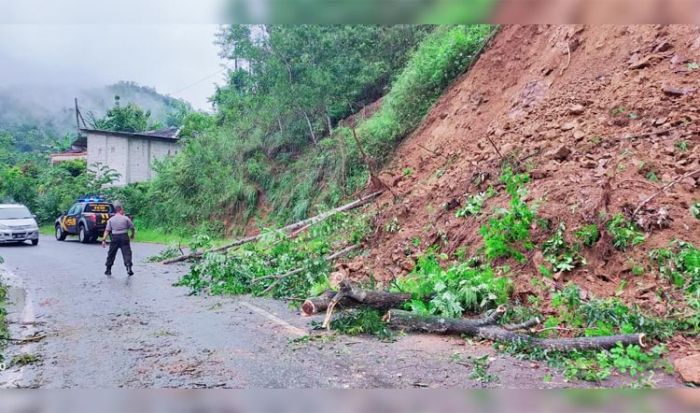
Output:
(509, 230)
(450, 292)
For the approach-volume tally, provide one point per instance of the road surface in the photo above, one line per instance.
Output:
(141, 332)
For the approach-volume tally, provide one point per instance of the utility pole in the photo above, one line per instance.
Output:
(78, 117)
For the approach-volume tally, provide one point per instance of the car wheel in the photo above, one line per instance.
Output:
(60, 235)
(35, 242)
(83, 235)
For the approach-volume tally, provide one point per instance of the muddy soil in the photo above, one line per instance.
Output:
(602, 117)
(142, 332)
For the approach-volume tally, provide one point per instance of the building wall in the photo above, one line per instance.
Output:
(133, 158)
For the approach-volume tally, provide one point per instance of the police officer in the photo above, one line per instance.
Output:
(122, 230)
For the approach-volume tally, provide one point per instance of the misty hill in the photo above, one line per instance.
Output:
(39, 116)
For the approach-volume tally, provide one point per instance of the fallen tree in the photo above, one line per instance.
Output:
(289, 228)
(280, 277)
(486, 328)
(350, 296)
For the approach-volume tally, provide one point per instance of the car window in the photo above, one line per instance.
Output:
(74, 209)
(99, 208)
(19, 212)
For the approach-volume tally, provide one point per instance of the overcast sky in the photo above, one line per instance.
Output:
(166, 44)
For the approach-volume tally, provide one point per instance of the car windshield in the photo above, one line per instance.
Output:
(15, 213)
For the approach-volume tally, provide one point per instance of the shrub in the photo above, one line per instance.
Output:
(625, 234)
(509, 229)
(559, 253)
(439, 59)
(588, 234)
(462, 287)
(472, 206)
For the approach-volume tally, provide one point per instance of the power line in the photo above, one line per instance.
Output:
(198, 81)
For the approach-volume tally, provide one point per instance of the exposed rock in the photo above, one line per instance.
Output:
(660, 121)
(590, 165)
(679, 59)
(663, 46)
(568, 126)
(688, 184)
(689, 368)
(576, 109)
(641, 63)
(673, 91)
(538, 174)
(560, 154)
(579, 135)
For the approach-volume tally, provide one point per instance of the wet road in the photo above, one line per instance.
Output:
(141, 332)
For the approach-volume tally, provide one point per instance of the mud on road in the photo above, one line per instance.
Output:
(141, 332)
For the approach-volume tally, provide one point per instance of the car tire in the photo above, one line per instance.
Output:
(83, 235)
(60, 235)
(35, 242)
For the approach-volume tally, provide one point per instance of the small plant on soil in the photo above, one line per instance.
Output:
(597, 366)
(508, 230)
(618, 110)
(473, 205)
(407, 172)
(166, 254)
(480, 370)
(695, 210)
(680, 264)
(693, 66)
(462, 287)
(559, 253)
(625, 234)
(588, 234)
(24, 359)
(681, 146)
(392, 226)
(651, 176)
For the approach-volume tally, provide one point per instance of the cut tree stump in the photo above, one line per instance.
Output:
(354, 297)
(486, 328)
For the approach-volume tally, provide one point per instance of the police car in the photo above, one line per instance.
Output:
(87, 219)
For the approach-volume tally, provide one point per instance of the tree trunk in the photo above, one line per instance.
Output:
(486, 328)
(309, 221)
(381, 300)
(311, 129)
(328, 122)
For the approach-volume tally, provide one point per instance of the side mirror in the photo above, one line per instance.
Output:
(34, 216)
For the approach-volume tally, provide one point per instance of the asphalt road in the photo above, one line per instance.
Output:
(141, 332)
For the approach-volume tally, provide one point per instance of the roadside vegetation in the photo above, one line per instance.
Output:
(4, 332)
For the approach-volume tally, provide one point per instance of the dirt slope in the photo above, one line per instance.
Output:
(572, 100)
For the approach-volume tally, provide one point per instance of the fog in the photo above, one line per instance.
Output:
(177, 59)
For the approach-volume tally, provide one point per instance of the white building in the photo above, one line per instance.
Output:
(132, 155)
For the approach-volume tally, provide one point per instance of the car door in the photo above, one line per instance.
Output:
(70, 221)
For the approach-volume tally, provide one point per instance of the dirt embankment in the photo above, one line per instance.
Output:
(583, 107)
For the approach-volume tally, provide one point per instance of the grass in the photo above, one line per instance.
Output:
(24, 359)
(149, 236)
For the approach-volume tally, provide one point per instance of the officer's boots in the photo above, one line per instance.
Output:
(129, 270)
(108, 272)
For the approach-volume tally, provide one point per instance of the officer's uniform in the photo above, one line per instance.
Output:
(118, 227)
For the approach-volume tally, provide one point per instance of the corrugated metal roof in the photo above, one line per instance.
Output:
(169, 134)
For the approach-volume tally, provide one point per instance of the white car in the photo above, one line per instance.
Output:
(17, 224)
